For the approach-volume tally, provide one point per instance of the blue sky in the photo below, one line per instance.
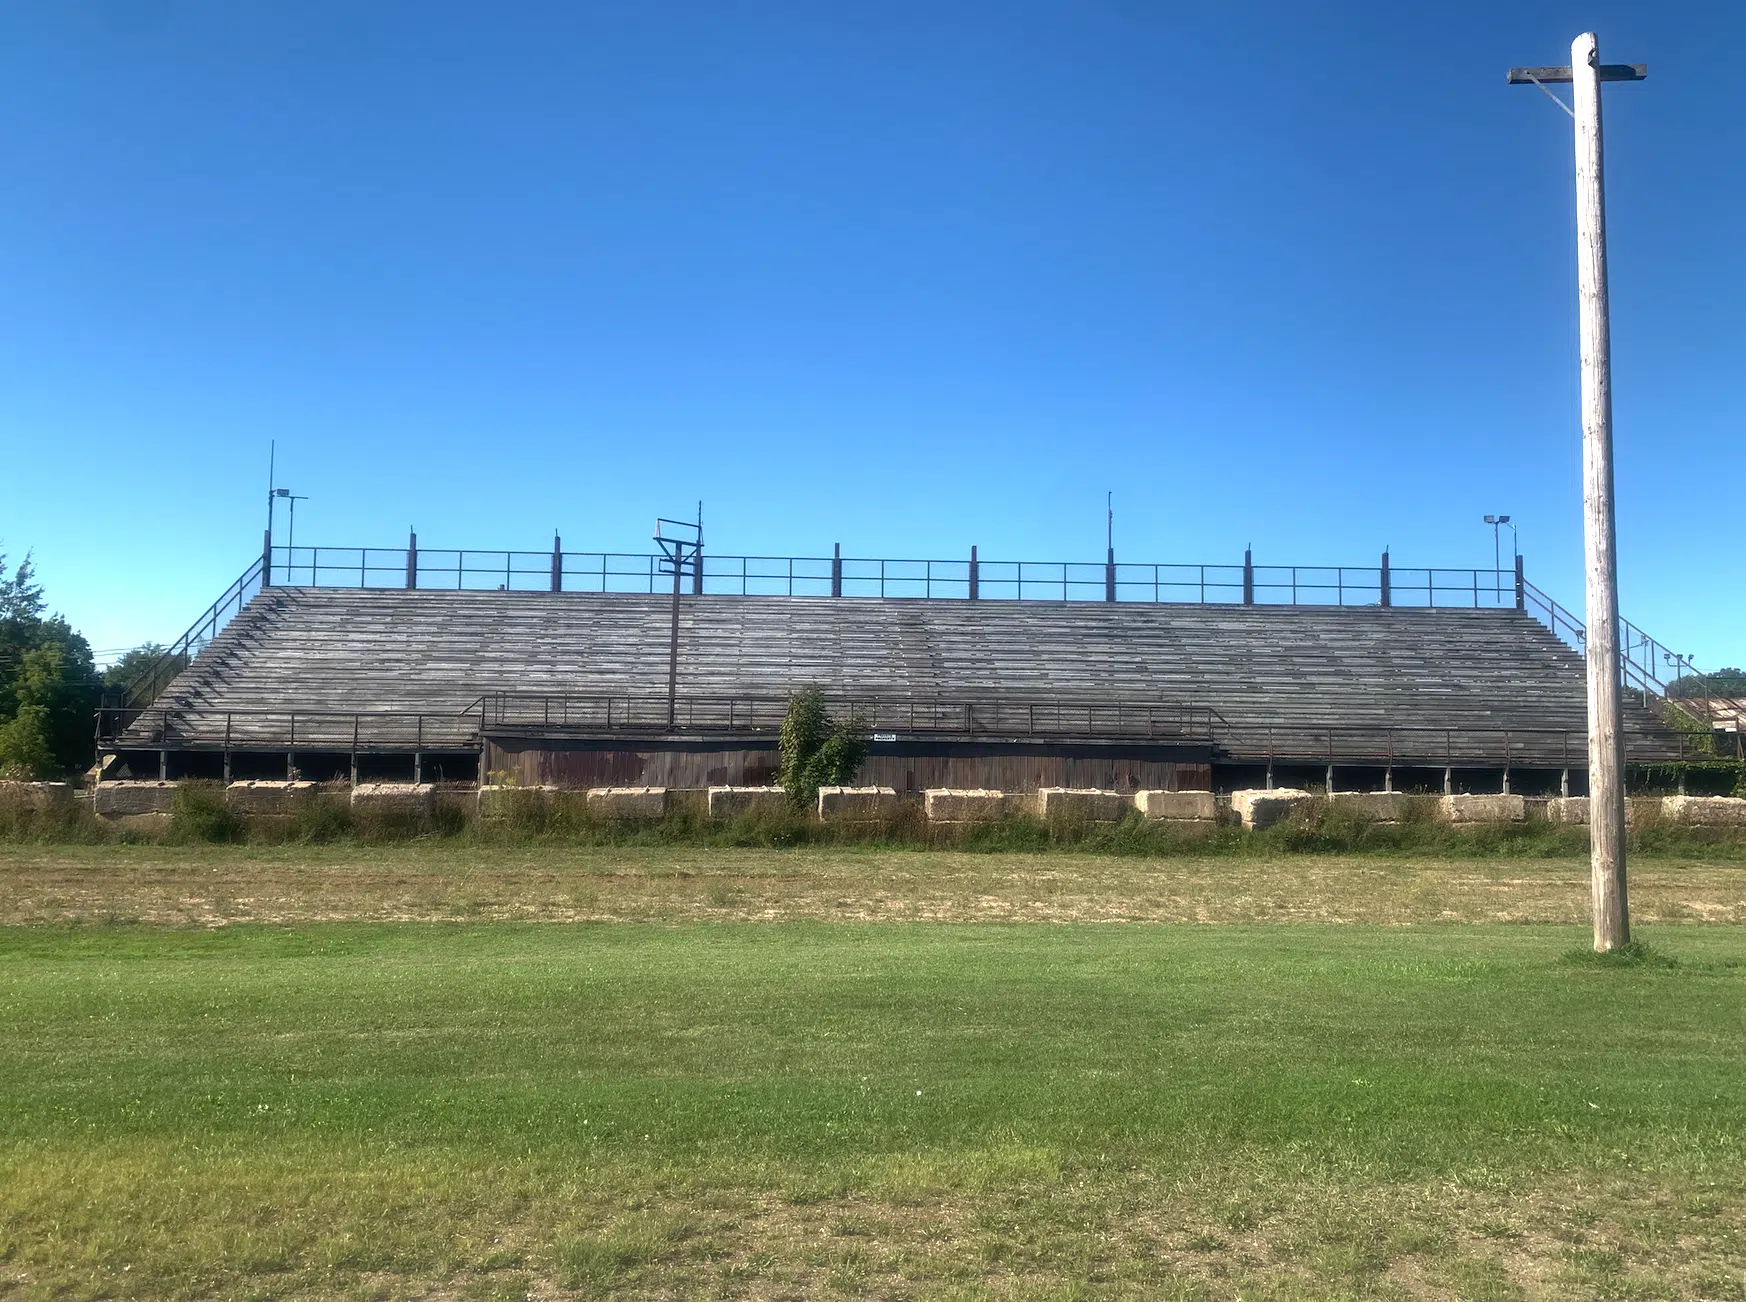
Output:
(906, 276)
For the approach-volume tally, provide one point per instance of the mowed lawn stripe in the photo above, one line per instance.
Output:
(1402, 1052)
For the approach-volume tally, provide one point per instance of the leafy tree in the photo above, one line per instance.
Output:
(127, 671)
(1723, 682)
(817, 751)
(25, 741)
(48, 684)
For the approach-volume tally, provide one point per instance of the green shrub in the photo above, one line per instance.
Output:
(198, 813)
(816, 750)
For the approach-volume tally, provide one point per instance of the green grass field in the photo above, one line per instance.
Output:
(744, 1095)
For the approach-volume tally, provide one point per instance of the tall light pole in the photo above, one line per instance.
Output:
(1497, 551)
(291, 532)
(1606, 791)
(681, 544)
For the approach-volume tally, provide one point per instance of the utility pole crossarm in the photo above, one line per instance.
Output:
(1607, 72)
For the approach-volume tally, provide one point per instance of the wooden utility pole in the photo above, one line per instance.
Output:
(1606, 791)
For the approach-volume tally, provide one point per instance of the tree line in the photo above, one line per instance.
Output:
(49, 684)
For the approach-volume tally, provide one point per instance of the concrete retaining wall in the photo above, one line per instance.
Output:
(731, 802)
(964, 804)
(858, 804)
(1262, 809)
(1704, 811)
(1178, 806)
(36, 795)
(1082, 803)
(119, 799)
(627, 802)
(414, 798)
(268, 797)
(1482, 809)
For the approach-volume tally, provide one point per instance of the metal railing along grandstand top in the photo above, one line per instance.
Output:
(854, 576)
(836, 575)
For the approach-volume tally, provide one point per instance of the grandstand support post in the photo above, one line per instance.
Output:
(1248, 577)
(557, 562)
(1521, 585)
(836, 569)
(267, 558)
(1387, 581)
(975, 575)
(411, 559)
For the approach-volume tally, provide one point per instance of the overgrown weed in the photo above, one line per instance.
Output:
(531, 818)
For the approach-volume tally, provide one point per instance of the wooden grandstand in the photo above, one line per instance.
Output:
(570, 687)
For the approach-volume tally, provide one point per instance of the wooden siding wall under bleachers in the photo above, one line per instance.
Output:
(905, 767)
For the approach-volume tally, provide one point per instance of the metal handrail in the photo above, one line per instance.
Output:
(1005, 717)
(872, 576)
(161, 672)
(1416, 746)
(302, 729)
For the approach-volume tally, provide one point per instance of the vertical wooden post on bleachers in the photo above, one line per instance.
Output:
(267, 559)
(1387, 581)
(1109, 563)
(1521, 585)
(1248, 577)
(836, 569)
(412, 559)
(975, 575)
(557, 563)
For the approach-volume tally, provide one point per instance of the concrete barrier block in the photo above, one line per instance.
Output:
(1178, 806)
(1261, 809)
(1084, 803)
(501, 802)
(731, 802)
(858, 804)
(415, 798)
(268, 797)
(966, 804)
(120, 799)
(1483, 809)
(1704, 811)
(36, 795)
(1573, 810)
(627, 802)
(1377, 806)
(1570, 810)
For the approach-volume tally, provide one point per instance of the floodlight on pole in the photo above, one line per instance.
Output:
(1496, 522)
